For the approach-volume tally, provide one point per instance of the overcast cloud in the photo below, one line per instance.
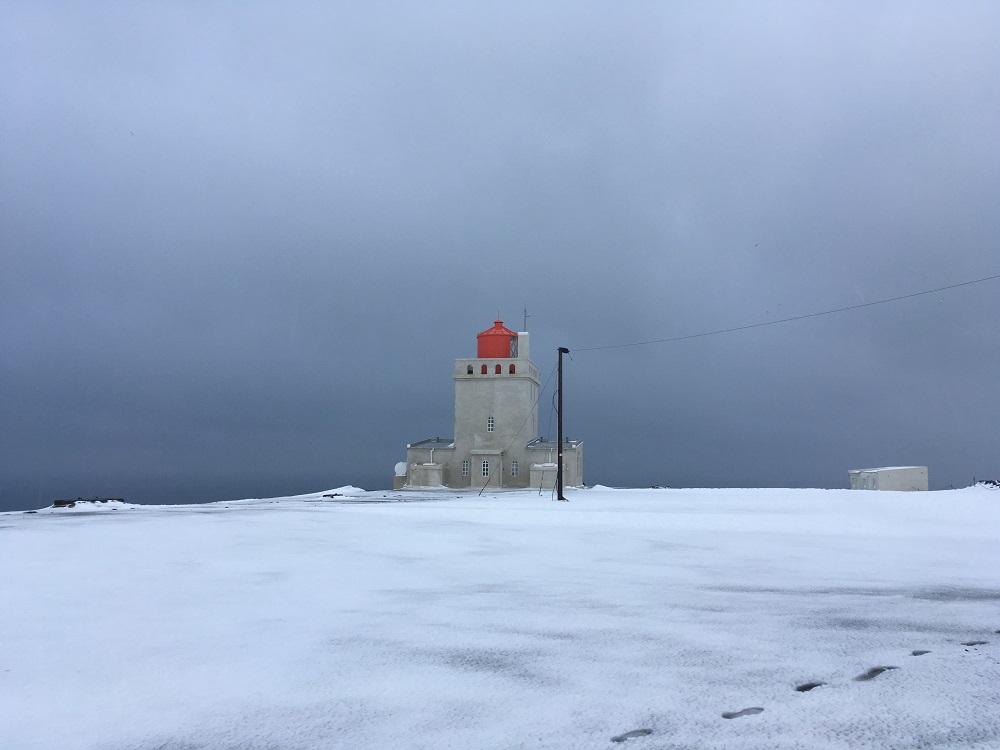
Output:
(241, 245)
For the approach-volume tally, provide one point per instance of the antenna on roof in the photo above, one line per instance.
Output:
(526, 316)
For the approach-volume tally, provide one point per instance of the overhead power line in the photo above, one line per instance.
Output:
(788, 320)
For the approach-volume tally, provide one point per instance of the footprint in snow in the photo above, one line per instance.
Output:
(805, 687)
(872, 673)
(744, 712)
(975, 643)
(919, 652)
(631, 735)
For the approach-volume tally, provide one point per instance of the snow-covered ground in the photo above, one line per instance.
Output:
(505, 621)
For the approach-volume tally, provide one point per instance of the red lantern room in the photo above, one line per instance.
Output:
(497, 342)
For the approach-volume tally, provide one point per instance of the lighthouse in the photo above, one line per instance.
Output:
(496, 441)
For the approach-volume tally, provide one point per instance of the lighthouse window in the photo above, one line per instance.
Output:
(484, 369)
(498, 370)
(513, 468)
(468, 370)
(486, 468)
(465, 468)
(512, 369)
(489, 424)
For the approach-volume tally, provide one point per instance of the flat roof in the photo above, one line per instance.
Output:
(433, 443)
(545, 444)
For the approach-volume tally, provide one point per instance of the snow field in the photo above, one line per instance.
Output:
(507, 621)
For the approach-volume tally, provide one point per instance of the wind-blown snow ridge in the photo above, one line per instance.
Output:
(97, 506)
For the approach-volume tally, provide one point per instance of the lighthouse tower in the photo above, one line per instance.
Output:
(496, 410)
(495, 443)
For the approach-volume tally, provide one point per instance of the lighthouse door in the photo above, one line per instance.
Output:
(487, 469)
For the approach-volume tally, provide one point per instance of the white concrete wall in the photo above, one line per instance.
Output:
(510, 400)
(522, 345)
(891, 478)
(419, 455)
(906, 479)
(544, 456)
(543, 474)
(427, 475)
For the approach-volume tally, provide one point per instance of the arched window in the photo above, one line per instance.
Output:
(489, 424)
(486, 468)
(511, 369)
(468, 370)
(484, 369)
(498, 370)
(465, 468)
(513, 467)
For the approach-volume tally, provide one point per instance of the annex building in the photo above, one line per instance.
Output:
(899, 478)
(496, 441)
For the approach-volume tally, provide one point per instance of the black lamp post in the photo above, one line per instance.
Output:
(559, 467)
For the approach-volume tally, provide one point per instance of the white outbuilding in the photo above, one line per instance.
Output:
(495, 443)
(898, 478)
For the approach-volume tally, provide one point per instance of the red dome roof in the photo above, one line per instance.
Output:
(495, 342)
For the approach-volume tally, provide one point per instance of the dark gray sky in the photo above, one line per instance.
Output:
(241, 244)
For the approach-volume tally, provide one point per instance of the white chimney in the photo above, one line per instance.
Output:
(522, 345)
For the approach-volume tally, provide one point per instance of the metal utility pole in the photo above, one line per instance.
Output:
(559, 466)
